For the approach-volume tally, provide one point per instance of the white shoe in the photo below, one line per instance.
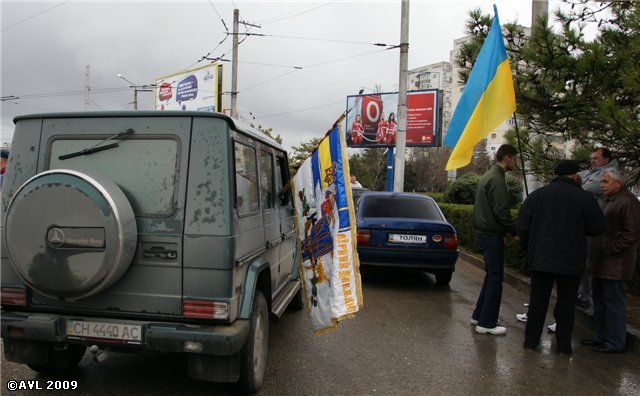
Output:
(475, 322)
(498, 330)
(552, 327)
(521, 317)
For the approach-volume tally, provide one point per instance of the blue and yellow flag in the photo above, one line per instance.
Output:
(325, 226)
(487, 100)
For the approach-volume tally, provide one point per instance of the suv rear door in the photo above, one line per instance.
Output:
(146, 165)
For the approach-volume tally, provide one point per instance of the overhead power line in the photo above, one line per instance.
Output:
(318, 39)
(313, 65)
(299, 110)
(296, 13)
(62, 93)
(31, 106)
(221, 19)
(256, 63)
(35, 15)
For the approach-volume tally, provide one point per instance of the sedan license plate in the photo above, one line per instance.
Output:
(407, 238)
(127, 333)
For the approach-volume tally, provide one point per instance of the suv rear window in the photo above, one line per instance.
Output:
(145, 169)
(403, 207)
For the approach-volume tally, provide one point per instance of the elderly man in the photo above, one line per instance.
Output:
(612, 262)
(553, 225)
(601, 160)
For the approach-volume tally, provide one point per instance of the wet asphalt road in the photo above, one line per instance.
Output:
(411, 338)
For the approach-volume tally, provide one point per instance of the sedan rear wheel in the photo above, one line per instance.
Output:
(443, 278)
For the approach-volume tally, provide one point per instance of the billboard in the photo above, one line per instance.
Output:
(196, 89)
(372, 119)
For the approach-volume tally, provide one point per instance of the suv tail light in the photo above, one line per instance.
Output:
(13, 295)
(205, 309)
(450, 241)
(364, 237)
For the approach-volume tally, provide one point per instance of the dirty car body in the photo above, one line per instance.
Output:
(148, 231)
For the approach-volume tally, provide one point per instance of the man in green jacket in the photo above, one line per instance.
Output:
(492, 220)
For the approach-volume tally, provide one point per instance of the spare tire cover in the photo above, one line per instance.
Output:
(69, 234)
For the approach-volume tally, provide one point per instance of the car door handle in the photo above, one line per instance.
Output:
(288, 234)
(160, 252)
(273, 243)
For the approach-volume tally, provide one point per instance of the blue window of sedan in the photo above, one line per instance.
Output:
(403, 207)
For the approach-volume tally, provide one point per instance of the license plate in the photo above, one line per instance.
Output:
(407, 238)
(113, 331)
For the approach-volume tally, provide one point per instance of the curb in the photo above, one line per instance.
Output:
(523, 284)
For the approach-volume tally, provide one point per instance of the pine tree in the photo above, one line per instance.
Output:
(571, 88)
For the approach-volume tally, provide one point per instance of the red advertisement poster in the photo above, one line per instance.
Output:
(371, 111)
(372, 120)
(420, 118)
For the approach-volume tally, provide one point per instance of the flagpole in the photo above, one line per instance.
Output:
(524, 173)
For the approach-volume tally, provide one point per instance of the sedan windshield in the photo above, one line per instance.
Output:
(404, 207)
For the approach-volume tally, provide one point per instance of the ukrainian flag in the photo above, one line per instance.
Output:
(487, 100)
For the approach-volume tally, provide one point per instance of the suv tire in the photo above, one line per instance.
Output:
(254, 353)
(69, 234)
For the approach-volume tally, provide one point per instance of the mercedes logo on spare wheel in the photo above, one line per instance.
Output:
(55, 237)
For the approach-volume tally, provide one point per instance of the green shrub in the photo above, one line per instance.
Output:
(514, 185)
(437, 196)
(461, 217)
(462, 190)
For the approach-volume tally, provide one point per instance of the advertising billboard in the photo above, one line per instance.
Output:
(372, 119)
(196, 89)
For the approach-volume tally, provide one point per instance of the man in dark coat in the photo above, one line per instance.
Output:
(611, 263)
(553, 225)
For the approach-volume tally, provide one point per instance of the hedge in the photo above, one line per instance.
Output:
(460, 216)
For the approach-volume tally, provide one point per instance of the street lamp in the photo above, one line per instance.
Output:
(135, 89)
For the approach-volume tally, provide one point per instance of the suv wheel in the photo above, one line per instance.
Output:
(254, 353)
(60, 360)
(70, 235)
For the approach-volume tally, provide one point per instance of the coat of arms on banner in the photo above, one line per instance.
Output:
(325, 226)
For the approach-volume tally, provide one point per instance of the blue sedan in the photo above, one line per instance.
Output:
(405, 230)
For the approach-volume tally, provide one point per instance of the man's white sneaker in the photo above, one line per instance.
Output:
(475, 322)
(552, 327)
(498, 330)
(521, 317)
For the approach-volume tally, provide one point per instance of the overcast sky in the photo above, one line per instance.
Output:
(45, 47)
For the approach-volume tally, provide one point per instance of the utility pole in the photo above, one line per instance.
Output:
(135, 97)
(401, 138)
(87, 89)
(234, 66)
(145, 88)
(234, 62)
(539, 9)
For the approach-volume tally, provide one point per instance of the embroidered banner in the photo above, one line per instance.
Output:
(325, 226)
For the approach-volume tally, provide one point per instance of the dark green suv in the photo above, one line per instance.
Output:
(147, 231)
